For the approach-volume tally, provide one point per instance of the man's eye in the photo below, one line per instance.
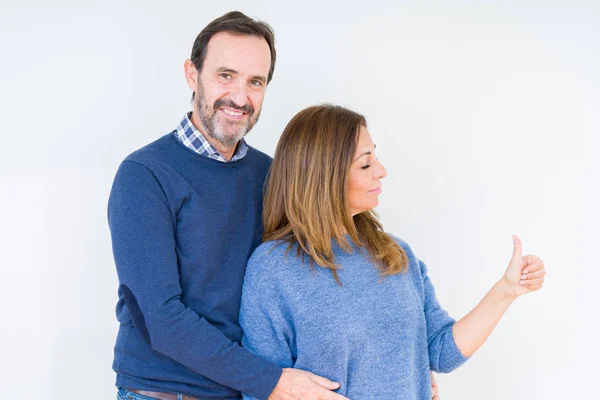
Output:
(365, 166)
(256, 83)
(224, 75)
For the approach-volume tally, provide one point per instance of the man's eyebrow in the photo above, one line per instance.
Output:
(228, 70)
(260, 78)
(234, 72)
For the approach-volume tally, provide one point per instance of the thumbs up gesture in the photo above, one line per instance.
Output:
(524, 273)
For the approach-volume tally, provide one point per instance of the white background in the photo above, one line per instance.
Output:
(486, 115)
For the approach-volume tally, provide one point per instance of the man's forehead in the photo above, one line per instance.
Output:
(243, 53)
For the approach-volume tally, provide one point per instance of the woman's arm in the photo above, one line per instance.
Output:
(268, 332)
(266, 329)
(523, 275)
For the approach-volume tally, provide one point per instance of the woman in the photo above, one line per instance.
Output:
(331, 293)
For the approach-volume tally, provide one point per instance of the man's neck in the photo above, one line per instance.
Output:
(226, 152)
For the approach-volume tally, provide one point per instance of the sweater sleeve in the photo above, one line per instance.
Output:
(444, 355)
(143, 236)
(267, 326)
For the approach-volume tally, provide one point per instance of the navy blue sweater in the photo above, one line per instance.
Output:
(183, 227)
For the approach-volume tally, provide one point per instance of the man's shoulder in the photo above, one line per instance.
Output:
(157, 151)
(260, 157)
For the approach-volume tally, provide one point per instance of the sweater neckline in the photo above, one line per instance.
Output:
(229, 164)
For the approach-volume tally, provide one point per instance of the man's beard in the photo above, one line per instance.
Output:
(228, 132)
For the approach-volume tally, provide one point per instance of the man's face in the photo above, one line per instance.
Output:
(231, 86)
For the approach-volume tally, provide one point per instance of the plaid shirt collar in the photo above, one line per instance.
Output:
(192, 138)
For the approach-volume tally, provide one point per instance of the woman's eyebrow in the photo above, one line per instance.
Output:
(365, 153)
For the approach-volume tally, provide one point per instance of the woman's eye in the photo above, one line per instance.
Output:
(365, 166)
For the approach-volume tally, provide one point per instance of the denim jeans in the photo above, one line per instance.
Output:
(124, 394)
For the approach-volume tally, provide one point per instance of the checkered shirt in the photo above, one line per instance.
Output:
(192, 138)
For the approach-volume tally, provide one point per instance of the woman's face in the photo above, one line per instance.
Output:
(363, 183)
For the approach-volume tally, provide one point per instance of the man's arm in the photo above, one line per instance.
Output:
(143, 235)
(142, 228)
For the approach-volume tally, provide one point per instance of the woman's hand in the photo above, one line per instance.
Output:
(434, 387)
(524, 273)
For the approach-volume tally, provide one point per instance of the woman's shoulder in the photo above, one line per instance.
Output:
(272, 250)
(272, 257)
(403, 244)
(415, 266)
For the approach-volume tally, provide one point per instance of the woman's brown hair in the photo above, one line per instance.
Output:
(305, 201)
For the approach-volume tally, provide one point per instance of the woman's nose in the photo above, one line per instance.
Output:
(380, 171)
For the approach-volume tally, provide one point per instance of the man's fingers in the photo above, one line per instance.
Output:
(331, 396)
(299, 384)
(322, 392)
(325, 392)
(326, 383)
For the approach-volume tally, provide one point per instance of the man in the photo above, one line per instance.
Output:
(185, 215)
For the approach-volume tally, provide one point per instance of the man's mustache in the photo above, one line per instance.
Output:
(248, 109)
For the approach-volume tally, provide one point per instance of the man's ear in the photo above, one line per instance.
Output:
(191, 74)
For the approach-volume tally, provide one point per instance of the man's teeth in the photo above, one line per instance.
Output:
(231, 112)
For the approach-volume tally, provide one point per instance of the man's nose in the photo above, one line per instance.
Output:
(239, 94)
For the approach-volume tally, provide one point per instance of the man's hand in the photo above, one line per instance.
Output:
(296, 384)
(434, 388)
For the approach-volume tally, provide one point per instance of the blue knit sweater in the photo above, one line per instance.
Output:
(183, 227)
(378, 337)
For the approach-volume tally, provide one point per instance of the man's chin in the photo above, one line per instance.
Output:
(232, 135)
(229, 140)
